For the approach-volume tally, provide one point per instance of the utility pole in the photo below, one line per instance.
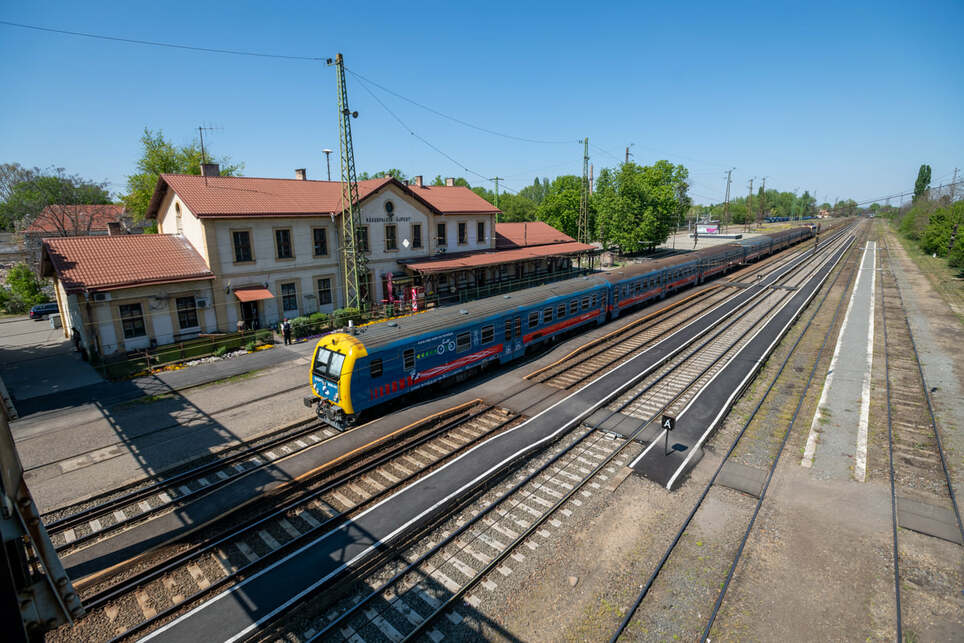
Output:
(957, 224)
(726, 199)
(497, 179)
(954, 185)
(763, 201)
(328, 161)
(749, 208)
(582, 230)
(355, 262)
(627, 151)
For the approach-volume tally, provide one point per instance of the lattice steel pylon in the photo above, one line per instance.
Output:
(582, 233)
(354, 260)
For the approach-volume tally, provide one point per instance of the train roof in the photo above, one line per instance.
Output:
(451, 317)
(649, 265)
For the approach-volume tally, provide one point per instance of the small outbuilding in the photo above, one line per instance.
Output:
(129, 292)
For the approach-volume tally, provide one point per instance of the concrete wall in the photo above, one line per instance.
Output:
(191, 227)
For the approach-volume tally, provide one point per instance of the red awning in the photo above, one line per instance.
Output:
(253, 294)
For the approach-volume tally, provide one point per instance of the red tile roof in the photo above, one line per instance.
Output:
(238, 196)
(531, 233)
(123, 261)
(455, 199)
(75, 219)
(484, 258)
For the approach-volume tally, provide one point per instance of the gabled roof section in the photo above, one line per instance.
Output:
(530, 233)
(75, 219)
(86, 264)
(453, 199)
(239, 196)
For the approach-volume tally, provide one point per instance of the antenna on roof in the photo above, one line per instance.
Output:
(200, 130)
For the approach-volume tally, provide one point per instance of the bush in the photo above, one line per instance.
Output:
(341, 316)
(220, 351)
(299, 327)
(250, 346)
(24, 290)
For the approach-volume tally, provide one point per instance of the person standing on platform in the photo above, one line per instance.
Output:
(286, 330)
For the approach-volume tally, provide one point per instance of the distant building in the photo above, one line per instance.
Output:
(70, 220)
(129, 292)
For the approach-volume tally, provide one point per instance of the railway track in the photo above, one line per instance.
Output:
(405, 598)
(679, 556)
(81, 524)
(918, 469)
(120, 610)
(620, 345)
(160, 593)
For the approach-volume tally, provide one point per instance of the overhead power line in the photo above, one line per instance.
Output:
(169, 45)
(458, 120)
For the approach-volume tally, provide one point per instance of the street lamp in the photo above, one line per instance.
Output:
(328, 161)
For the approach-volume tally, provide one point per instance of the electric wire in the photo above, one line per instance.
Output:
(153, 43)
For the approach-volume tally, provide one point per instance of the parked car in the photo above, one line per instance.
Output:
(42, 310)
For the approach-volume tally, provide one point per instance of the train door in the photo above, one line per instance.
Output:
(512, 338)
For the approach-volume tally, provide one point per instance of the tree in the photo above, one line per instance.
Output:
(161, 156)
(923, 181)
(22, 291)
(637, 206)
(394, 172)
(560, 205)
(460, 181)
(51, 189)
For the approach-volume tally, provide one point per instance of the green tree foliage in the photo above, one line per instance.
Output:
(22, 290)
(923, 181)
(514, 207)
(537, 192)
(560, 205)
(160, 156)
(395, 173)
(637, 206)
(28, 192)
(460, 181)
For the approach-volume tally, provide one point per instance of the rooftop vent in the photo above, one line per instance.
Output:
(301, 174)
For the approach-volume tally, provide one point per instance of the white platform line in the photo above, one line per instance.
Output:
(860, 466)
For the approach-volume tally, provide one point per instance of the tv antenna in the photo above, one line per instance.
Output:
(200, 131)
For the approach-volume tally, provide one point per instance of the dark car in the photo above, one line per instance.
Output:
(42, 310)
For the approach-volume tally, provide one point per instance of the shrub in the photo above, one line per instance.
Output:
(341, 316)
(299, 327)
(250, 346)
(220, 351)
(24, 291)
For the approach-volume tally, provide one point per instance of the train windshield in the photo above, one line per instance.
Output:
(328, 364)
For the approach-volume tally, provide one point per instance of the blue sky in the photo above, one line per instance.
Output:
(844, 98)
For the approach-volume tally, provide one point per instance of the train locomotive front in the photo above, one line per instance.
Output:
(331, 367)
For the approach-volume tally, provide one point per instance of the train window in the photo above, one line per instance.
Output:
(547, 315)
(508, 329)
(328, 364)
(375, 368)
(560, 311)
(573, 307)
(408, 359)
(533, 319)
(462, 342)
(488, 334)
(518, 327)
(595, 301)
(585, 303)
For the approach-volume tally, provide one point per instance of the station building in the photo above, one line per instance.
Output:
(251, 251)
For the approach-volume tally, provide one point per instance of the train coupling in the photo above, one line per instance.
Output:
(310, 400)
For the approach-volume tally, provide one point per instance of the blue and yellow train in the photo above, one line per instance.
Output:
(354, 372)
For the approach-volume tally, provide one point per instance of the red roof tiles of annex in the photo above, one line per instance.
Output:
(228, 196)
(85, 264)
(483, 258)
(75, 219)
(531, 233)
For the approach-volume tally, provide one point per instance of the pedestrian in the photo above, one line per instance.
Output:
(286, 330)
(240, 325)
(696, 237)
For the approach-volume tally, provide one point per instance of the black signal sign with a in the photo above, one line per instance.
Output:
(669, 422)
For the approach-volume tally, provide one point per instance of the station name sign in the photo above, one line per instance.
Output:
(386, 219)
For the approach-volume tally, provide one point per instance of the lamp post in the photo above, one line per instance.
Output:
(328, 161)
